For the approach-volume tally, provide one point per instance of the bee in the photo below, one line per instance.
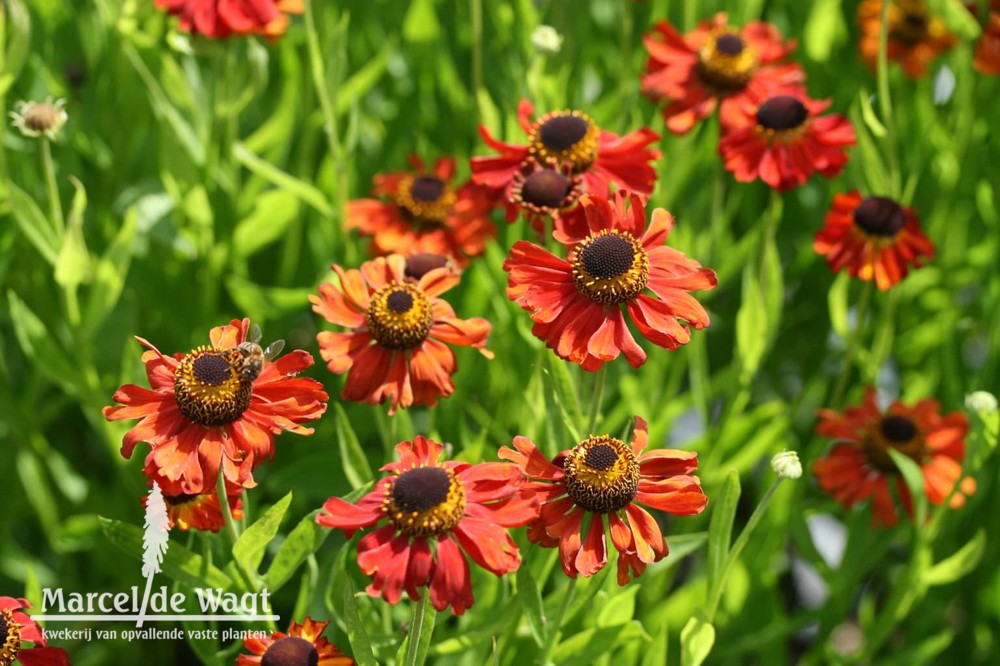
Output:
(254, 356)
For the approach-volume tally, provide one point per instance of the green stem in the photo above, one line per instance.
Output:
(55, 206)
(227, 515)
(421, 624)
(737, 549)
(767, 237)
(885, 102)
(853, 343)
(554, 631)
(476, 11)
(627, 77)
(595, 405)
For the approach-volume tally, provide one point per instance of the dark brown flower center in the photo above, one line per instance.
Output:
(608, 256)
(781, 113)
(911, 30)
(291, 651)
(546, 188)
(427, 189)
(602, 474)
(880, 216)
(177, 500)
(399, 302)
(421, 489)
(210, 386)
(898, 429)
(562, 132)
(212, 370)
(418, 265)
(729, 44)
(42, 117)
(399, 316)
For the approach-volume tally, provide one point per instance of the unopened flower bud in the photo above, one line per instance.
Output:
(983, 402)
(37, 118)
(786, 465)
(546, 40)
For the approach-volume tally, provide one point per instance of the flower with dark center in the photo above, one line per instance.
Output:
(421, 263)
(602, 478)
(302, 645)
(577, 302)
(872, 239)
(860, 467)
(786, 141)
(421, 212)
(570, 139)
(16, 629)
(543, 192)
(916, 37)
(202, 410)
(395, 347)
(217, 20)
(715, 65)
(199, 511)
(453, 505)
(38, 118)
(987, 55)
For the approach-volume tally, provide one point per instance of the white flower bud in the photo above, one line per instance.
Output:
(546, 40)
(983, 402)
(786, 465)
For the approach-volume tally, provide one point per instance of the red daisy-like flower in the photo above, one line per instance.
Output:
(302, 645)
(859, 465)
(599, 478)
(544, 192)
(571, 138)
(873, 239)
(576, 303)
(396, 347)
(786, 142)
(201, 511)
(17, 628)
(425, 213)
(715, 64)
(222, 18)
(987, 56)
(916, 37)
(219, 404)
(450, 505)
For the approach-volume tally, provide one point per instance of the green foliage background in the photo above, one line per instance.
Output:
(209, 184)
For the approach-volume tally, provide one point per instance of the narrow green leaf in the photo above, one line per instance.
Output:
(38, 343)
(273, 213)
(33, 223)
(421, 631)
(303, 541)
(179, 563)
(620, 611)
(751, 327)
(364, 79)
(73, 264)
(421, 23)
(697, 639)
(355, 463)
(110, 272)
(959, 20)
(356, 634)
(18, 45)
(914, 478)
(656, 654)
(824, 28)
(868, 114)
(583, 647)
(276, 176)
(836, 300)
(958, 564)
(720, 529)
(531, 604)
(249, 549)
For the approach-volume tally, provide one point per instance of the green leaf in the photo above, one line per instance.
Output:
(421, 23)
(38, 344)
(355, 463)
(355, 628)
(959, 20)
(18, 46)
(583, 647)
(620, 610)
(836, 300)
(364, 79)
(531, 603)
(914, 478)
(421, 631)
(286, 181)
(266, 303)
(273, 212)
(179, 563)
(958, 564)
(697, 639)
(249, 549)
(303, 541)
(720, 529)
(868, 114)
(110, 272)
(73, 264)
(751, 327)
(33, 223)
(824, 28)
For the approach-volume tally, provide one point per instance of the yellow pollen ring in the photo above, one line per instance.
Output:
(425, 211)
(579, 156)
(394, 327)
(726, 71)
(219, 401)
(435, 521)
(602, 474)
(12, 643)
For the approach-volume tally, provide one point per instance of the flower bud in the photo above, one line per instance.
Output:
(37, 118)
(546, 40)
(786, 465)
(982, 402)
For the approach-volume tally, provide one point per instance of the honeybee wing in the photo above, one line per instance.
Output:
(274, 349)
(254, 334)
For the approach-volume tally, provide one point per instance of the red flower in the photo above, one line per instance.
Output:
(222, 18)
(396, 347)
(451, 505)
(576, 303)
(859, 466)
(303, 645)
(715, 64)
(16, 628)
(788, 141)
(916, 37)
(987, 56)
(571, 138)
(222, 403)
(200, 511)
(425, 213)
(873, 239)
(603, 477)
(545, 192)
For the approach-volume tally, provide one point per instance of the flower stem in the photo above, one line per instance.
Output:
(55, 206)
(595, 405)
(227, 515)
(476, 11)
(853, 343)
(885, 102)
(556, 627)
(421, 628)
(737, 549)
(767, 237)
